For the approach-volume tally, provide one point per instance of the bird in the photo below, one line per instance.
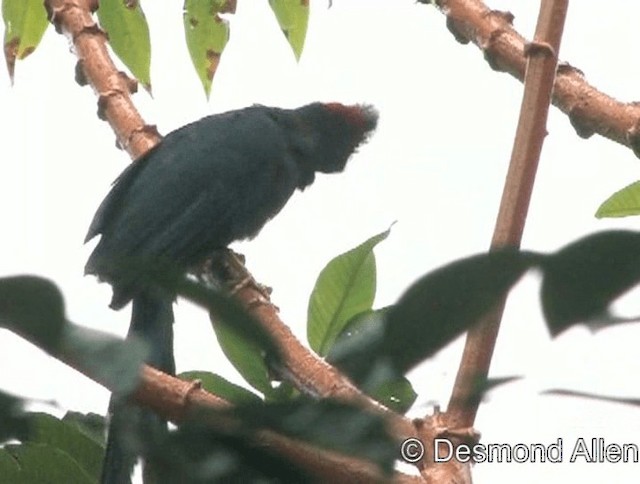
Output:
(203, 186)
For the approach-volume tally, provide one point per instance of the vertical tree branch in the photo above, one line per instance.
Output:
(539, 78)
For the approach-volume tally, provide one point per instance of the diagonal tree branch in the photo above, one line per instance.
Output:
(590, 111)
(539, 80)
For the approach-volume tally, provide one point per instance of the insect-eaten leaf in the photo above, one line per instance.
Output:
(25, 22)
(207, 34)
(33, 307)
(293, 17)
(446, 302)
(623, 203)
(345, 287)
(125, 23)
(582, 279)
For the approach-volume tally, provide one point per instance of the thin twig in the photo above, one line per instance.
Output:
(539, 79)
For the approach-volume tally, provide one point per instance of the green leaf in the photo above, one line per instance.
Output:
(293, 17)
(41, 463)
(446, 302)
(90, 424)
(25, 22)
(245, 355)
(60, 435)
(207, 35)
(32, 307)
(242, 339)
(344, 288)
(583, 278)
(623, 203)
(222, 387)
(126, 25)
(397, 394)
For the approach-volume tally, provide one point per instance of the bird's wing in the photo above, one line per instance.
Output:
(112, 202)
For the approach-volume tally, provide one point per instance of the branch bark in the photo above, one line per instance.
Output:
(539, 81)
(590, 111)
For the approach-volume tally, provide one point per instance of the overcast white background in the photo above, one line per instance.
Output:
(436, 165)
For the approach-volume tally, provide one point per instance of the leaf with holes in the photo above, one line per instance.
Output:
(207, 35)
(293, 17)
(25, 22)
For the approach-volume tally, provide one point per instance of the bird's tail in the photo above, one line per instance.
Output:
(152, 321)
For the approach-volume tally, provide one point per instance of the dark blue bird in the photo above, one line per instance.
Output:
(205, 185)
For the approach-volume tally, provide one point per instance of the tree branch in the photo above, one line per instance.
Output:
(527, 146)
(590, 111)
(178, 401)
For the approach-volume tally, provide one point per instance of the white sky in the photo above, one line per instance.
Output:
(436, 165)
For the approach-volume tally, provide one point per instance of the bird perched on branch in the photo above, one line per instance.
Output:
(205, 185)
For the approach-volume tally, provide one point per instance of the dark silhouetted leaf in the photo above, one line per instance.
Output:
(207, 35)
(593, 396)
(446, 302)
(32, 307)
(110, 360)
(222, 387)
(13, 422)
(293, 17)
(482, 386)
(126, 25)
(344, 288)
(330, 425)
(25, 22)
(582, 279)
(355, 354)
(623, 203)
(195, 454)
